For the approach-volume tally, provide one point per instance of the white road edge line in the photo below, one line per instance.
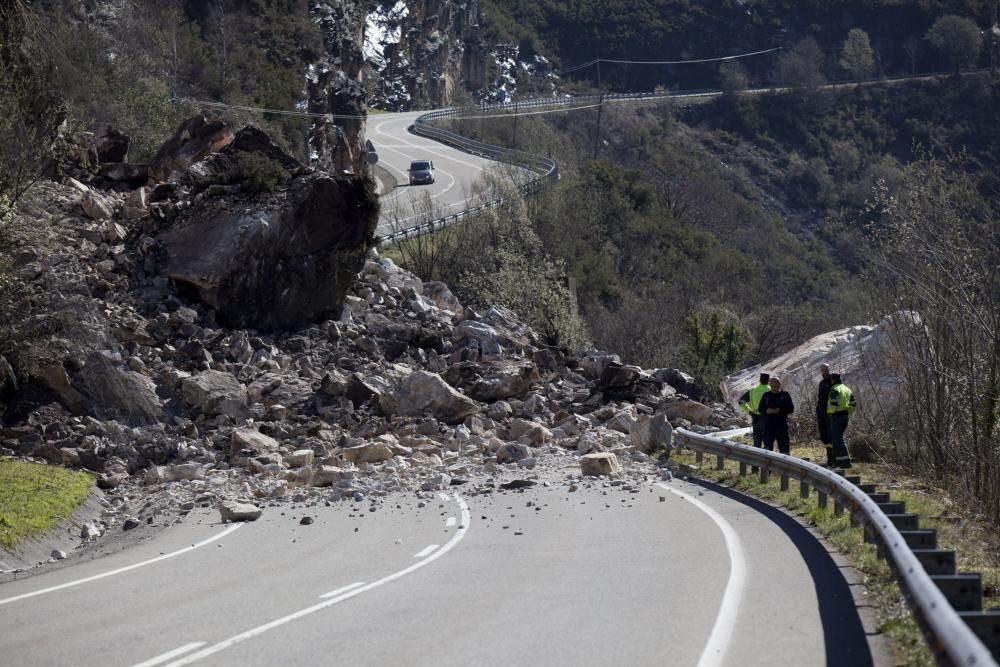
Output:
(261, 629)
(451, 521)
(425, 552)
(95, 577)
(715, 649)
(170, 654)
(342, 589)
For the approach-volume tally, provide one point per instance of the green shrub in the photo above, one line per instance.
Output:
(260, 173)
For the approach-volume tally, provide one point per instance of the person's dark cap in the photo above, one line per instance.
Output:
(835, 378)
(765, 378)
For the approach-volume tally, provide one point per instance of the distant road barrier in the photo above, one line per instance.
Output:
(544, 170)
(947, 605)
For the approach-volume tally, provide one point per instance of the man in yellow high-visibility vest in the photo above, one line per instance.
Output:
(840, 406)
(750, 402)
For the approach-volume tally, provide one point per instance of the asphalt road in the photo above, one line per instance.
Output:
(456, 173)
(545, 576)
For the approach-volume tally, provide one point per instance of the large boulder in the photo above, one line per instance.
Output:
(373, 451)
(227, 167)
(493, 381)
(498, 333)
(111, 144)
(194, 139)
(102, 387)
(693, 411)
(215, 393)
(249, 442)
(601, 463)
(230, 510)
(423, 393)
(8, 379)
(679, 381)
(863, 356)
(651, 432)
(279, 262)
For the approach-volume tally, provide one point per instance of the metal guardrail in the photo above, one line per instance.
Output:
(949, 636)
(545, 170)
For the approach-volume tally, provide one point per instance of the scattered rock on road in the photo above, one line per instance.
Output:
(231, 510)
(601, 463)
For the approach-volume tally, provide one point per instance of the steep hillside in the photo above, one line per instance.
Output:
(653, 30)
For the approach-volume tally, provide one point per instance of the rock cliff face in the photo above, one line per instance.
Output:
(336, 86)
(424, 52)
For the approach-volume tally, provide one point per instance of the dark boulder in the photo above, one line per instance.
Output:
(680, 381)
(111, 145)
(277, 262)
(248, 161)
(132, 175)
(193, 140)
(101, 386)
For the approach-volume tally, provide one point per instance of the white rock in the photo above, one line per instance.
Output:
(423, 393)
(511, 452)
(96, 206)
(300, 457)
(230, 510)
(374, 451)
(693, 411)
(252, 439)
(214, 393)
(863, 355)
(603, 463)
(330, 475)
(651, 432)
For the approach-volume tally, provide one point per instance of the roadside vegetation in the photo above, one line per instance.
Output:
(497, 257)
(36, 497)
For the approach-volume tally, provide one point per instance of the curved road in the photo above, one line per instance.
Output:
(455, 173)
(665, 573)
(659, 574)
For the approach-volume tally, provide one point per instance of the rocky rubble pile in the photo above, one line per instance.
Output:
(403, 390)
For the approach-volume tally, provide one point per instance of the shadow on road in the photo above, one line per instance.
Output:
(843, 633)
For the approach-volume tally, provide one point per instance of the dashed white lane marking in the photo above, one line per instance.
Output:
(152, 662)
(342, 589)
(426, 145)
(450, 521)
(715, 649)
(261, 629)
(424, 552)
(111, 573)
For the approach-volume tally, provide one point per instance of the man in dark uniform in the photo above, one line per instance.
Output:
(822, 416)
(775, 406)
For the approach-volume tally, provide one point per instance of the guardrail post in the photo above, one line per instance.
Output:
(743, 469)
(699, 456)
(765, 475)
(821, 498)
(803, 489)
(784, 481)
(838, 508)
(720, 462)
